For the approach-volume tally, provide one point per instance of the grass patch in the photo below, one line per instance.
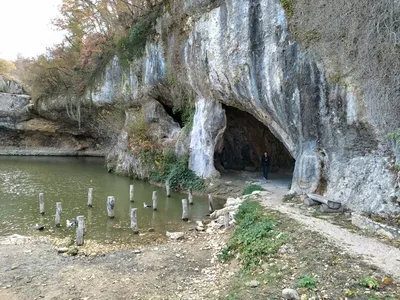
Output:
(304, 253)
(308, 282)
(369, 282)
(288, 6)
(251, 188)
(255, 238)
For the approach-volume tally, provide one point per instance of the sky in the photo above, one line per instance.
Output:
(25, 27)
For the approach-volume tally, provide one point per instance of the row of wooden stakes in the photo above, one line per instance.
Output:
(80, 223)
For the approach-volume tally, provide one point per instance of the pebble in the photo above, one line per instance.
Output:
(253, 283)
(62, 249)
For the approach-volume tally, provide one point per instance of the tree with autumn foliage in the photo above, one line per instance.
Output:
(6, 67)
(93, 29)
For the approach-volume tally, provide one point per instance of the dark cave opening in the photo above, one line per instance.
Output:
(244, 141)
(176, 115)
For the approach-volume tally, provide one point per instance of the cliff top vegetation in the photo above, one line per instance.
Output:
(96, 30)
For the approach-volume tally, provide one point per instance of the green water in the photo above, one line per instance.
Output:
(67, 180)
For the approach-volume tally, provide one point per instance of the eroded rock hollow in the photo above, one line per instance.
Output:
(244, 141)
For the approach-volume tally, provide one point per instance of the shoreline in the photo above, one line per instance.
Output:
(51, 152)
(219, 193)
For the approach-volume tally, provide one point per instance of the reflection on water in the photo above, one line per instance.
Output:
(66, 180)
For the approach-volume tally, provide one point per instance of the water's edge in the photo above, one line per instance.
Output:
(51, 152)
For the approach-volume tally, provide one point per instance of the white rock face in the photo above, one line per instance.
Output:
(118, 84)
(10, 86)
(208, 125)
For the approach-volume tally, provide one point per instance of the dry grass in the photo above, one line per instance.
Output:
(358, 42)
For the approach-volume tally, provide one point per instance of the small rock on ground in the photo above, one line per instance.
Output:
(253, 283)
(290, 294)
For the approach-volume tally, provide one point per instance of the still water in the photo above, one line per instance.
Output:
(66, 180)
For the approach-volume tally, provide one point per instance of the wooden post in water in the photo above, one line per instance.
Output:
(134, 221)
(131, 190)
(210, 204)
(167, 188)
(226, 219)
(154, 200)
(80, 231)
(58, 214)
(90, 198)
(110, 206)
(41, 203)
(185, 215)
(190, 196)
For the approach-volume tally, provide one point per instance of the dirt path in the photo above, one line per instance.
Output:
(371, 250)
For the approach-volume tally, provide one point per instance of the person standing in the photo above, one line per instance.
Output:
(265, 164)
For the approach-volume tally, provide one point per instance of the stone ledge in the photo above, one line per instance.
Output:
(375, 227)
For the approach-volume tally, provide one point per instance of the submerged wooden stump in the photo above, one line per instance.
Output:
(41, 203)
(134, 225)
(190, 196)
(110, 206)
(80, 230)
(58, 214)
(185, 215)
(210, 204)
(90, 198)
(131, 191)
(154, 200)
(167, 189)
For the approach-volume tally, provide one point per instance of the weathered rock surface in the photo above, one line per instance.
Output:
(159, 125)
(367, 224)
(48, 129)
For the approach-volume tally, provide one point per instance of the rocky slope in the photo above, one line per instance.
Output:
(237, 53)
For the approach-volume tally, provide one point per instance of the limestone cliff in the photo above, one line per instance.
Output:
(239, 53)
(26, 129)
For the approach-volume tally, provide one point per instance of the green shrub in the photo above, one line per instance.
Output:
(251, 188)
(255, 238)
(394, 135)
(168, 167)
(369, 282)
(134, 44)
(288, 6)
(308, 282)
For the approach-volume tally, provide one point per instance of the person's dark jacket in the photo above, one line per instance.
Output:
(265, 161)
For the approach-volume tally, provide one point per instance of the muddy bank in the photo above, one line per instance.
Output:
(170, 270)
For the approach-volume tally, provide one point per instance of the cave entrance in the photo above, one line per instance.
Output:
(244, 141)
